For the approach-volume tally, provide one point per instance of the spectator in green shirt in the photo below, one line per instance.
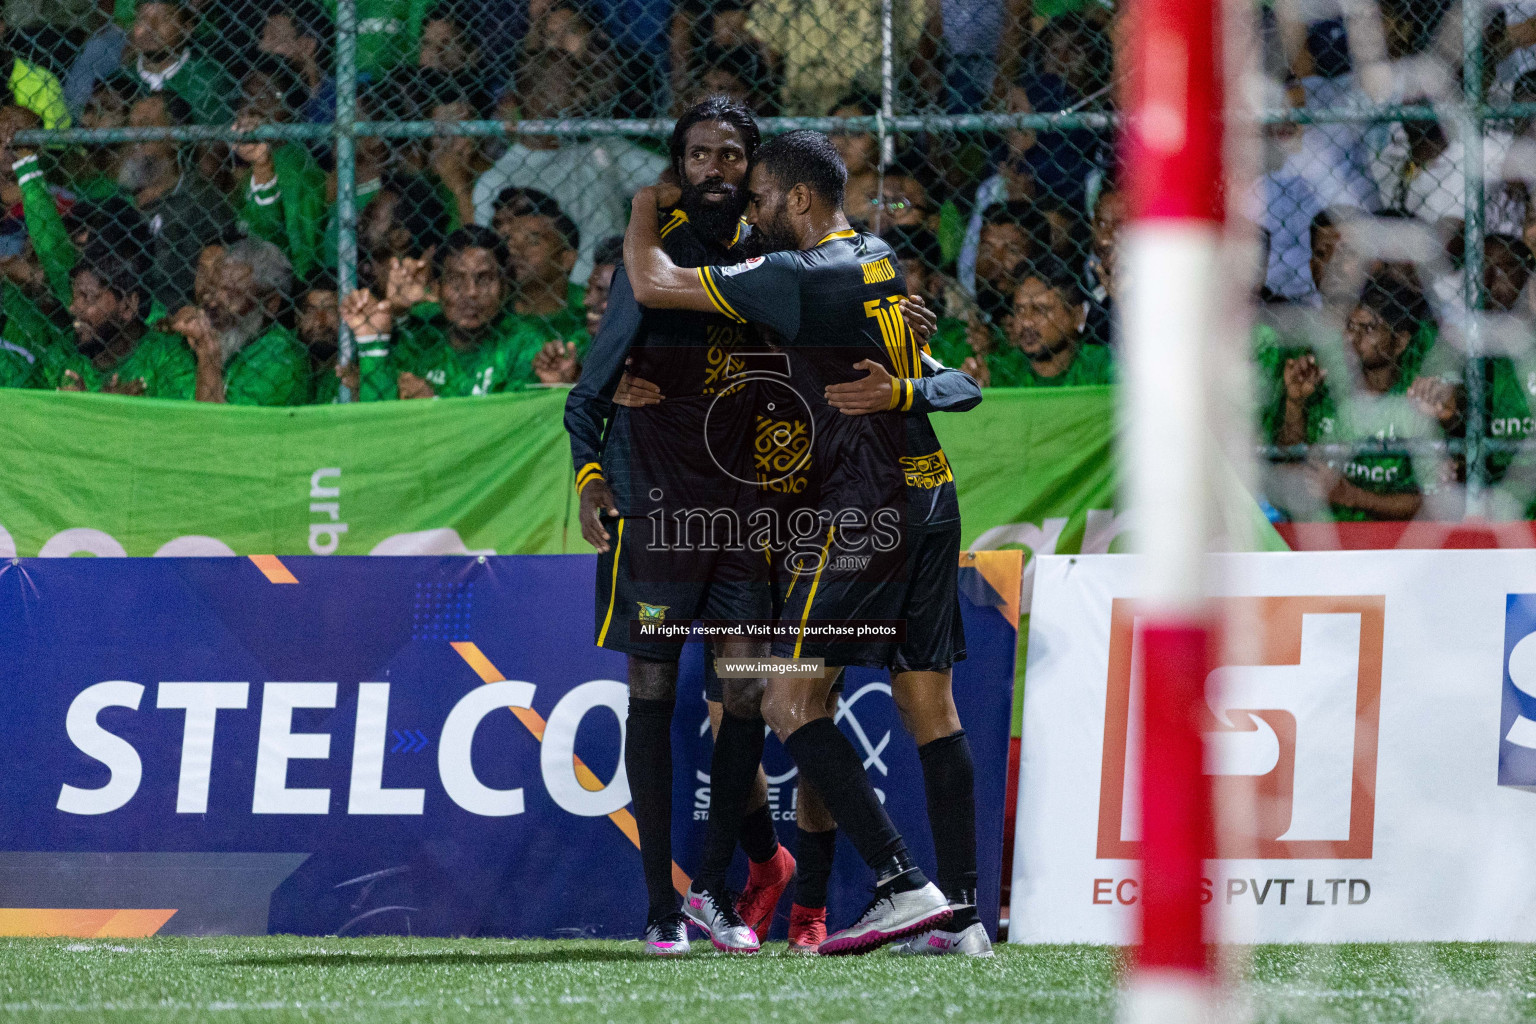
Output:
(319, 319)
(388, 31)
(244, 355)
(547, 307)
(1384, 335)
(1507, 267)
(166, 62)
(285, 190)
(1046, 343)
(470, 344)
(114, 351)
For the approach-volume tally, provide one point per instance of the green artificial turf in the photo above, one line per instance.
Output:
(378, 980)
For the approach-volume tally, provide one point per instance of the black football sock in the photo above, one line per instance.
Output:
(732, 771)
(813, 866)
(758, 839)
(949, 776)
(648, 765)
(828, 761)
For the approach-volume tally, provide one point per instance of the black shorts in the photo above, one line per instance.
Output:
(639, 582)
(917, 584)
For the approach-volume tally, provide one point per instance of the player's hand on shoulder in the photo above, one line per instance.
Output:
(871, 393)
(669, 191)
(596, 502)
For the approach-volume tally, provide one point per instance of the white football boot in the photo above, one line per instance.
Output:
(667, 936)
(718, 919)
(964, 940)
(903, 906)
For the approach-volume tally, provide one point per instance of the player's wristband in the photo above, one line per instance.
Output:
(591, 471)
(902, 394)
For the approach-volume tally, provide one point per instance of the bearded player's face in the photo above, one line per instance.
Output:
(714, 177)
(768, 213)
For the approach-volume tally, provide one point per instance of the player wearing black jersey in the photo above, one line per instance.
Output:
(636, 467)
(638, 470)
(886, 501)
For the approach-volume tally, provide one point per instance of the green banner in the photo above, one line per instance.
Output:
(84, 474)
(103, 474)
(98, 474)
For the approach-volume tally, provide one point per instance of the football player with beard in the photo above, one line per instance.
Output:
(634, 463)
(652, 462)
(830, 297)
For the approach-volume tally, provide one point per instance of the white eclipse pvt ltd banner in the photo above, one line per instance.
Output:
(1372, 726)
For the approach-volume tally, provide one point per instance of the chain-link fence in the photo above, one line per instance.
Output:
(195, 190)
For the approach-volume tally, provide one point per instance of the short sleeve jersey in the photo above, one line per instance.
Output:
(832, 306)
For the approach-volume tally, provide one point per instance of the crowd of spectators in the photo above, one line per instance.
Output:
(208, 271)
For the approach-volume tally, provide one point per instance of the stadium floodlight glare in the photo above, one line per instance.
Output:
(1172, 148)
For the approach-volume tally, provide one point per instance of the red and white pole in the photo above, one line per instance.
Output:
(1172, 161)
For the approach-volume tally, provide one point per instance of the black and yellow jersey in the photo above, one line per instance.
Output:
(659, 449)
(830, 307)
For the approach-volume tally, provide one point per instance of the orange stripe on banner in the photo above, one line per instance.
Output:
(488, 673)
(273, 569)
(134, 924)
(1004, 571)
(83, 923)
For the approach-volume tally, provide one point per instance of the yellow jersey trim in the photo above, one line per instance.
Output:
(811, 597)
(591, 471)
(678, 217)
(613, 586)
(713, 291)
(845, 233)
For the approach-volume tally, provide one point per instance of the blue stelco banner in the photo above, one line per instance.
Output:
(382, 745)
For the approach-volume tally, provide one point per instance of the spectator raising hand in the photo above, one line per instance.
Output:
(257, 154)
(409, 283)
(412, 386)
(1302, 378)
(557, 363)
(1438, 399)
(366, 316)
